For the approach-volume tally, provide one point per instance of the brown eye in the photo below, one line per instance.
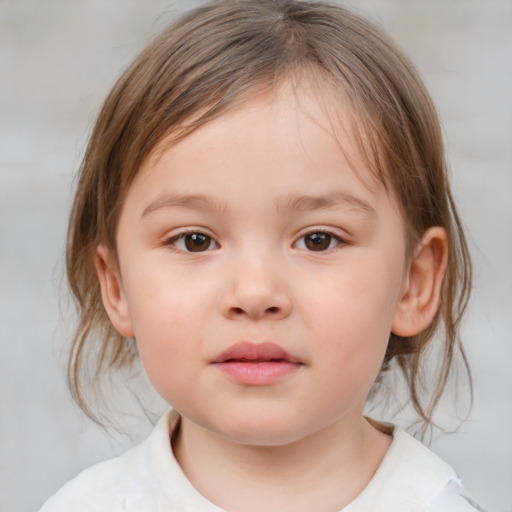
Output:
(318, 241)
(192, 242)
(197, 242)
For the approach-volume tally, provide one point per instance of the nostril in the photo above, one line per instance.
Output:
(272, 311)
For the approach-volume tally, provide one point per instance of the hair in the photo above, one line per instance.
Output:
(218, 56)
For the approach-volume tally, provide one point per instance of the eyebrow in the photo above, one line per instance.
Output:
(293, 204)
(332, 200)
(192, 201)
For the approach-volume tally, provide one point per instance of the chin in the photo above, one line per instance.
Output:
(261, 438)
(261, 431)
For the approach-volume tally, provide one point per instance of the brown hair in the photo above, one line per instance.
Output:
(219, 55)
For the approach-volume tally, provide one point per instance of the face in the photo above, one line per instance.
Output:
(260, 274)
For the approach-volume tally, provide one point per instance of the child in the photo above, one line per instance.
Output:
(263, 215)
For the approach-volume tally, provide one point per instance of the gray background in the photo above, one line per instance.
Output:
(58, 59)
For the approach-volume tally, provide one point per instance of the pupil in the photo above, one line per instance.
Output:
(318, 241)
(197, 242)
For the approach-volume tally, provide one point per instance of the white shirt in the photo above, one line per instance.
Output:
(148, 478)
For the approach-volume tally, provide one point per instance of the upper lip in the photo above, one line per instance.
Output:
(256, 352)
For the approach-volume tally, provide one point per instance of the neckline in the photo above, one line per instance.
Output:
(409, 472)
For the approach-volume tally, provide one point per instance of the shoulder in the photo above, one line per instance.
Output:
(104, 486)
(409, 456)
(410, 477)
(454, 498)
(119, 484)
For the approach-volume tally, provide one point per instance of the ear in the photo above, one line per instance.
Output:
(114, 300)
(422, 286)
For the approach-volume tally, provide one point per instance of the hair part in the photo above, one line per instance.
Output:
(219, 56)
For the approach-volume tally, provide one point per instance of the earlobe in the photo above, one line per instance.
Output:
(422, 288)
(112, 294)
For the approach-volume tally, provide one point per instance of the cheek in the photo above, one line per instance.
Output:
(162, 302)
(358, 303)
(167, 323)
(352, 316)
(169, 354)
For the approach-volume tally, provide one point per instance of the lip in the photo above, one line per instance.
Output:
(256, 364)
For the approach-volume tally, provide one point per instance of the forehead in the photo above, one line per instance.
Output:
(281, 145)
(296, 107)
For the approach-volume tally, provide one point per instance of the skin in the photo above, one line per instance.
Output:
(269, 175)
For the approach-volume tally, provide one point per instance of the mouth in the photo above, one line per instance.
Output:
(256, 364)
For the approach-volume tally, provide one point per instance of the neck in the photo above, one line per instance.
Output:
(301, 476)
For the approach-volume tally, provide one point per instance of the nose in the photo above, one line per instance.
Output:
(256, 289)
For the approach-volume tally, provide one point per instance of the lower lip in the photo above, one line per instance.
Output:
(258, 374)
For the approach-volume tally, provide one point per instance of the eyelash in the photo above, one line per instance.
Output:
(181, 237)
(325, 236)
(331, 237)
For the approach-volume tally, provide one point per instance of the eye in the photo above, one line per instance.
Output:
(318, 241)
(193, 242)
